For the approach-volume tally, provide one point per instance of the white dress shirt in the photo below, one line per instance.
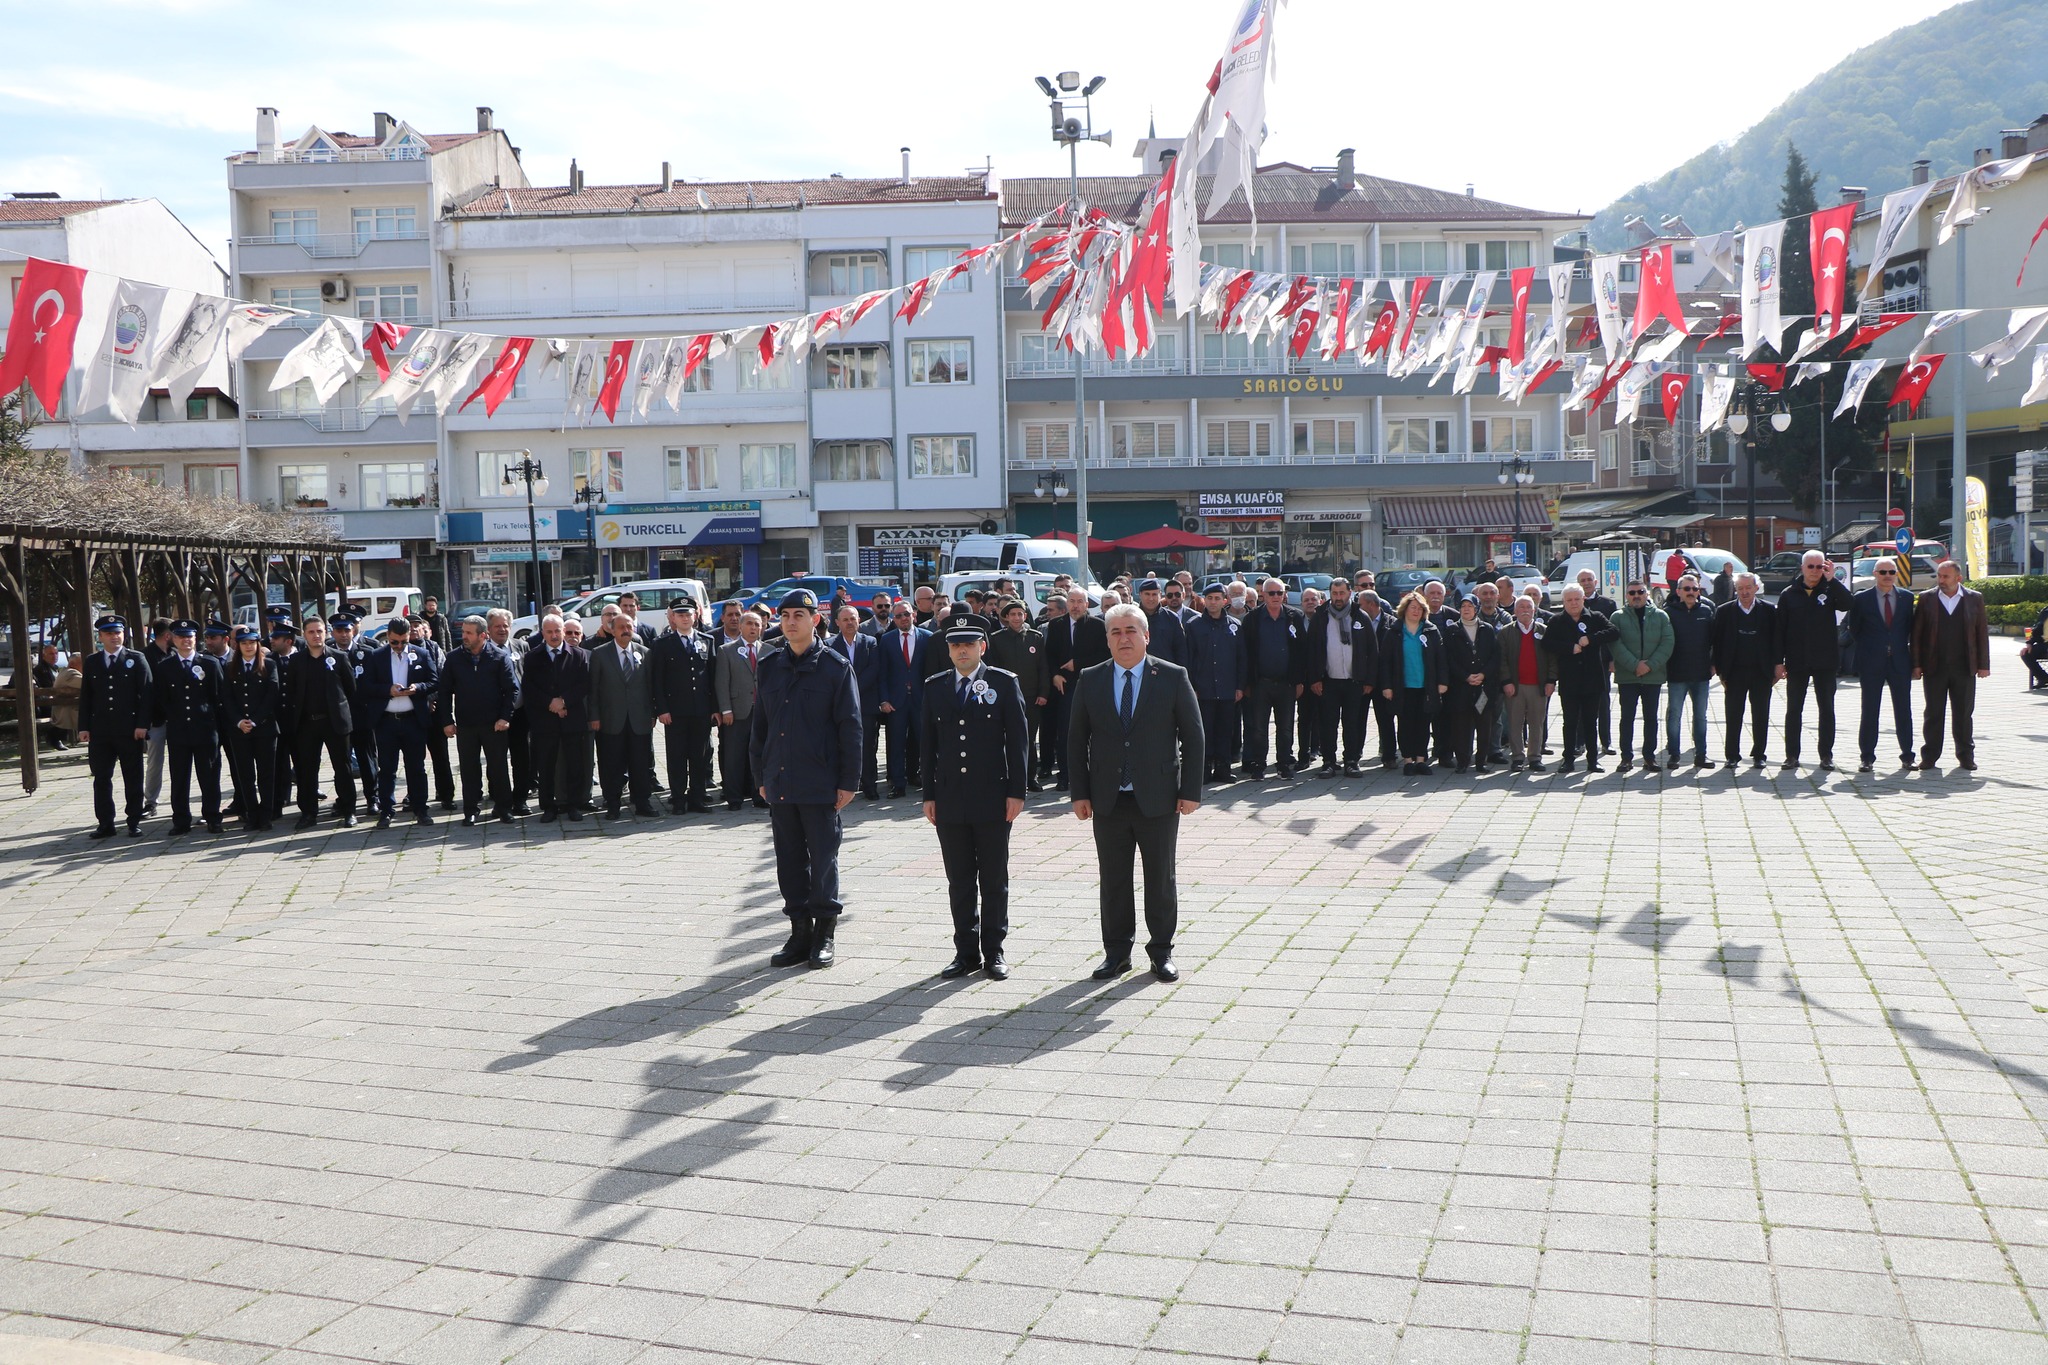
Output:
(401, 670)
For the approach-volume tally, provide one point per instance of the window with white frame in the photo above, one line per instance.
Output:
(1041, 353)
(398, 484)
(388, 302)
(1418, 436)
(691, 469)
(1496, 255)
(941, 362)
(384, 221)
(920, 261)
(1503, 435)
(606, 465)
(302, 485)
(1326, 436)
(853, 272)
(222, 481)
(298, 399)
(854, 462)
(1046, 440)
(1235, 352)
(294, 225)
(1413, 258)
(758, 378)
(850, 367)
(1240, 439)
(1607, 449)
(490, 473)
(1147, 440)
(305, 299)
(1333, 259)
(941, 457)
(1235, 255)
(768, 468)
(151, 474)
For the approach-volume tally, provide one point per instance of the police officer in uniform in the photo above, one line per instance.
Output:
(319, 695)
(284, 646)
(251, 697)
(805, 752)
(978, 752)
(362, 740)
(115, 711)
(1019, 649)
(188, 705)
(680, 680)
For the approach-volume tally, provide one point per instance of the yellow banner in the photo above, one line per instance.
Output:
(1977, 528)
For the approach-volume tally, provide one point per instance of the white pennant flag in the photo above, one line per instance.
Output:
(1475, 313)
(1561, 303)
(2037, 390)
(1237, 111)
(1715, 395)
(1860, 375)
(328, 359)
(1763, 277)
(1962, 207)
(1812, 369)
(1899, 208)
(192, 349)
(464, 353)
(2025, 325)
(409, 376)
(1663, 348)
(1719, 252)
(675, 358)
(586, 374)
(1607, 302)
(1634, 385)
(1938, 324)
(647, 373)
(1586, 377)
(118, 371)
(555, 358)
(248, 321)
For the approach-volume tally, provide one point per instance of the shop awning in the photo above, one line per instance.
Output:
(1585, 514)
(1461, 514)
(1676, 521)
(1860, 533)
(1167, 538)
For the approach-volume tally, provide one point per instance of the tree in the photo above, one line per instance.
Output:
(14, 446)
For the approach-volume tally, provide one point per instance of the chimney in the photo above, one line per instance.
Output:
(2037, 135)
(483, 118)
(1852, 194)
(667, 180)
(906, 167)
(575, 177)
(1920, 171)
(1470, 193)
(266, 134)
(383, 122)
(1347, 169)
(1166, 158)
(1980, 156)
(2014, 142)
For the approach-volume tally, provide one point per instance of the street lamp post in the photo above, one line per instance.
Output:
(1518, 470)
(528, 471)
(591, 499)
(1742, 422)
(1053, 485)
(1070, 132)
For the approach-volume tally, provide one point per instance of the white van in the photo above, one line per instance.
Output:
(655, 594)
(1034, 587)
(1708, 559)
(375, 607)
(995, 554)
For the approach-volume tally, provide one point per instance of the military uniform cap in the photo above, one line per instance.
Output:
(248, 633)
(110, 623)
(282, 630)
(1148, 585)
(798, 597)
(219, 628)
(341, 620)
(184, 627)
(959, 632)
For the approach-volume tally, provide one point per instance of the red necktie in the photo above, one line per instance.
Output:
(1887, 611)
(906, 651)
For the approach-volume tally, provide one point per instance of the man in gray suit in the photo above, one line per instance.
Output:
(622, 707)
(734, 679)
(1135, 737)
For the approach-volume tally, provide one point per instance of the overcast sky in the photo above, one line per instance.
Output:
(141, 98)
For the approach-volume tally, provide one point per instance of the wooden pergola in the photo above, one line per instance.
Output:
(70, 562)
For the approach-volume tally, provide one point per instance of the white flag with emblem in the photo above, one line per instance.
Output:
(1900, 206)
(118, 371)
(1860, 375)
(1962, 207)
(1938, 324)
(2037, 389)
(1634, 385)
(1715, 395)
(195, 347)
(1763, 277)
(586, 373)
(327, 359)
(2026, 324)
(1718, 251)
(1561, 304)
(465, 352)
(1237, 110)
(409, 376)
(1607, 302)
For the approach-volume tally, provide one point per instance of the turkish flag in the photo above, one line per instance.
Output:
(695, 354)
(1300, 292)
(1416, 294)
(771, 337)
(1828, 241)
(1771, 377)
(497, 385)
(1671, 388)
(1149, 259)
(1340, 322)
(1657, 291)
(1548, 370)
(1589, 331)
(615, 366)
(1912, 383)
(1519, 283)
(1304, 332)
(379, 341)
(1382, 329)
(1871, 331)
(1721, 328)
(44, 329)
(1233, 295)
(1610, 380)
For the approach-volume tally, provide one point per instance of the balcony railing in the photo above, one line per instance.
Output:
(1027, 462)
(337, 246)
(338, 418)
(648, 308)
(1063, 367)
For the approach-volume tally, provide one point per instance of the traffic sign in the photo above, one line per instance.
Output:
(1895, 518)
(1521, 552)
(1905, 542)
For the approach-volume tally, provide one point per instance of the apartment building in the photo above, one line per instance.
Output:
(193, 444)
(1302, 464)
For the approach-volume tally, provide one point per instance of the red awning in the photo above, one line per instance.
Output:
(1169, 538)
(1462, 514)
(1095, 546)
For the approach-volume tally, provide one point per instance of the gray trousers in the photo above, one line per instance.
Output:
(1528, 720)
(153, 774)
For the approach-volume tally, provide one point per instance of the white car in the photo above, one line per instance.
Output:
(655, 594)
(375, 607)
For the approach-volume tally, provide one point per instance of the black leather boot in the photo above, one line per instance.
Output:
(798, 949)
(822, 930)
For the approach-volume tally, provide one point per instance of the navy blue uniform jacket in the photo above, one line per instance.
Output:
(975, 756)
(806, 740)
(118, 698)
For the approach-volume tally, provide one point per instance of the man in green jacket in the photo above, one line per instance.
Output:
(1640, 652)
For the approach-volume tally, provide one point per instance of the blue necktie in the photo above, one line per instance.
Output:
(963, 694)
(1124, 708)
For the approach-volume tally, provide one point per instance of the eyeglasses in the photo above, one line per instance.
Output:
(1688, 589)
(1637, 592)
(1887, 573)
(1275, 592)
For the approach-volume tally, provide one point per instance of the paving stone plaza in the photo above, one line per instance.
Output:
(1558, 1070)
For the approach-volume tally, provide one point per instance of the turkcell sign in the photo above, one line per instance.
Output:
(680, 523)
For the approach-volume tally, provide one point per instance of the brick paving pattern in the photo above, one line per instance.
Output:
(1687, 1069)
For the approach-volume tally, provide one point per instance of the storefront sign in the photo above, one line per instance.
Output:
(1262, 502)
(679, 523)
(510, 525)
(516, 554)
(382, 550)
(1309, 383)
(918, 535)
(876, 563)
(1324, 514)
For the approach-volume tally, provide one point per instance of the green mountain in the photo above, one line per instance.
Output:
(1937, 89)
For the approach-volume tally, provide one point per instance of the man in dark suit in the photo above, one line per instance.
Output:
(394, 691)
(115, 709)
(483, 696)
(905, 666)
(681, 663)
(1075, 642)
(1745, 644)
(362, 740)
(622, 715)
(1380, 620)
(1019, 649)
(1951, 653)
(1135, 740)
(1343, 663)
(735, 683)
(557, 700)
(1276, 671)
(1169, 641)
(319, 697)
(978, 754)
(188, 706)
(1809, 644)
(863, 654)
(1881, 624)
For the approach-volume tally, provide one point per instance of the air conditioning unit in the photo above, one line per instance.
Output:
(1191, 524)
(989, 526)
(334, 291)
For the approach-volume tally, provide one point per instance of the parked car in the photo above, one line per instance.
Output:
(375, 606)
(1463, 581)
(1780, 571)
(1035, 586)
(1394, 584)
(824, 585)
(655, 594)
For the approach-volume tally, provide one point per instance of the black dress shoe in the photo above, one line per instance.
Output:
(1625, 764)
(181, 827)
(870, 794)
(647, 812)
(306, 821)
(1286, 772)
(1650, 765)
(469, 820)
(548, 817)
(895, 789)
(1165, 970)
(1703, 763)
(505, 817)
(1968, 765)
(699, 806)
(420, 817)
(1110, 971)
(1351, 770)
(1535, 765)
(101, 832)
(958, 967)
(797, 949)
(823, 932)
(134, 830)
(759, 804)
(384, 820)
(1593, 767)
(572, 816)
(1866, 766)
(997, 969)
(1328, 770)
(447, 803)
(349, 820)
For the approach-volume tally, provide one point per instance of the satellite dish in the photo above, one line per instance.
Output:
(703, 200)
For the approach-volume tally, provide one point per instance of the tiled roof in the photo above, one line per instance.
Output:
(1286, 194)
(695, 196)
(349, 142)
(48, 210)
